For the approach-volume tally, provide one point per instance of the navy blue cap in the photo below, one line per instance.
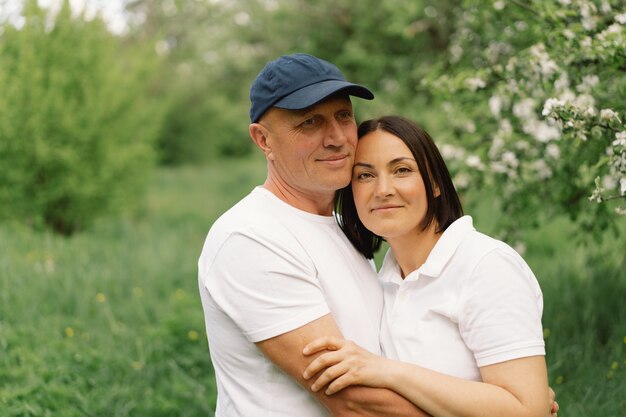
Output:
(296, 82)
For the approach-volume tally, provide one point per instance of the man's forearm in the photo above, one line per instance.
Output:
(376, 402)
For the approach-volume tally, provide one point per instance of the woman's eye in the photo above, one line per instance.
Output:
(403, 170)
(363, 176)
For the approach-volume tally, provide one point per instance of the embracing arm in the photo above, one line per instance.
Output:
(515, 388)
(286, 352)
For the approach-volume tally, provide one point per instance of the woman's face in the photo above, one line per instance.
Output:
(388, 189)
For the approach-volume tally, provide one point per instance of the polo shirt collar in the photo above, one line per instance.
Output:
(438, 257)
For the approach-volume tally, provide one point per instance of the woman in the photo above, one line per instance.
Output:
(462, 310)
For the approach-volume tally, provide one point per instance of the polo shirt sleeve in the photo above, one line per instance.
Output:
(500, 316)
(267, 288)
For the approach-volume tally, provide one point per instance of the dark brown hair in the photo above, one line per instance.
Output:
(444, 209)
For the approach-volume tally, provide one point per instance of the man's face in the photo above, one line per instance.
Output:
(312, 150)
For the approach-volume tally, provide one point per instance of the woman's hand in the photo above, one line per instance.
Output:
(345, 364)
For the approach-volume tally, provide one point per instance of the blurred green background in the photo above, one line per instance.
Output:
(123, 136)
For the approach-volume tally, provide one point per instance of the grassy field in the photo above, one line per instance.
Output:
(109, 322)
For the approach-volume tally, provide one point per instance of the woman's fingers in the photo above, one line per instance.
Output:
(321, 362)
(340, 383)
(329, 375)
(323, 343)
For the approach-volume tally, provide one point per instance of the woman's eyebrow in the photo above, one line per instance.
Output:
(400, 159)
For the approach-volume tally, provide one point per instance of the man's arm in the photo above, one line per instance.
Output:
(285, 351)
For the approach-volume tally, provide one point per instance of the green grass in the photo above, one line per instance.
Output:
(109, 322)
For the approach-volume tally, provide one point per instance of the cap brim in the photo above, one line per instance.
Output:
(311, 94)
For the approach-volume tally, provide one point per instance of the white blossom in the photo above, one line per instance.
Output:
(547, 66)
(505, 126)
(495, 105)
(584, 101)
(609, 182)
(510, 159)
(565, 2)
(553, 151)
(569, 34)
(461, 180)
(562, 83)
(524, 109)
(620, 139)
(474, 161)
(499, 5)
(587, 83)
(622, 186)
(475, 83)
(586, 11)
(621, 18)
(544, 132)
(521, 26)
(452, 152)
(608, 114)
(550, 105)
(543, 170)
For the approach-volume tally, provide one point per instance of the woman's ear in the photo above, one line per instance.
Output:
(436, 190)
(260, 137)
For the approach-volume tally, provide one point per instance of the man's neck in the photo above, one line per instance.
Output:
(320, 203)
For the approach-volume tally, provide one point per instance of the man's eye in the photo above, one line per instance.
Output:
(309, 122)
(345, 115)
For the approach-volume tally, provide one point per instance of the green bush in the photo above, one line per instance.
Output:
(202, 125)
(76, 123)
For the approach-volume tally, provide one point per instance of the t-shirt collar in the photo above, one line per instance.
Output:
(443, 250)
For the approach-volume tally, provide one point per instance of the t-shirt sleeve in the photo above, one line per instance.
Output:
(500, 317)
(266, 288)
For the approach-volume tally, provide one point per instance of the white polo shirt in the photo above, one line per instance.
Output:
(474, 302)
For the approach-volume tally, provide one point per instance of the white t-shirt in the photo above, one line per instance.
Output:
(474, 302)
(268, 268)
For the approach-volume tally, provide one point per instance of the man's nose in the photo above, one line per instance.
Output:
(335, 134)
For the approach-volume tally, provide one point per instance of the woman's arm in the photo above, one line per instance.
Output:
(512, 388)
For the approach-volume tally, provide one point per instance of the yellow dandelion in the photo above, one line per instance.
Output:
(101, 298)
(179, 294)
(559, 379)
(137, 365)
(69, 332)
(614, 365)
(192, 335)
(137, 292)
(546, 333)
(625, 340)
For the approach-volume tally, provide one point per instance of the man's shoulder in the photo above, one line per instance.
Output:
(254, 213)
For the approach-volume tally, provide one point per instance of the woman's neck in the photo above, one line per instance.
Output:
(412, 250)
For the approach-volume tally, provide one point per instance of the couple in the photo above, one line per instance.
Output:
(293, 307)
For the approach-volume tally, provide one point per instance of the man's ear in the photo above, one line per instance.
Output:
(260, 135)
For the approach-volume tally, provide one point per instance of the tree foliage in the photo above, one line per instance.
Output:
(536, 93)
(76, 122)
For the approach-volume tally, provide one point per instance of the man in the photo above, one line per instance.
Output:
(276, 271)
